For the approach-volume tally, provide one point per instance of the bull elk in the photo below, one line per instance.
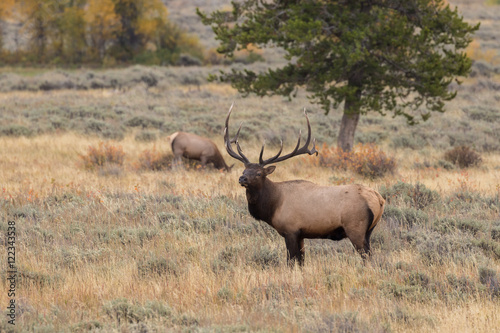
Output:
(299, 209)
(195, 147)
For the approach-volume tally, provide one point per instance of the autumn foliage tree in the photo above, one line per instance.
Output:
(37, 14)
(99, 31)
(396, 56)
(102, 22)
(5, 7)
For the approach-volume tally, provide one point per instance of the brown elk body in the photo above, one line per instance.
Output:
(195, 147)
(300, 209)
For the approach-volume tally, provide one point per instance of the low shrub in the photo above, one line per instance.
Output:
(447, 225)
(491, 280)
(365, 159)
(265, 257)
(86, 326)
(188, 60)
(15, 130)
(341, 322)
(26, 277)
(445, 165)
(103, 129)
(436, 249)
(225, 294)
(158, 267)
(413, 142)
(489, 247)
(484, 113)
(410, 318)
(416, 195)
(146, 136)
(406, 292)
(461, 285)
(333, 157)
(405, 216)
(103, 154)
(229, 254)
(154, 160)
(463, 156)
(144, 122)
(111, 170)
(371, 162)
(495, 233)
(124, 311)
(370, 137)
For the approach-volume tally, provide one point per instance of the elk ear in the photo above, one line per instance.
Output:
(269, 170)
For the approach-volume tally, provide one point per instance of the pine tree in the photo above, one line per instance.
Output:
(372, 55)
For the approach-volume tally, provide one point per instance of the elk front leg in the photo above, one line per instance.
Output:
(204, 161)
(294, 247)
(302, 251)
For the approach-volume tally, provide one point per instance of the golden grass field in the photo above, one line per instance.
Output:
(122, 249)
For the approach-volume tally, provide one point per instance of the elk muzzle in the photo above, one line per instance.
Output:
(243, 181)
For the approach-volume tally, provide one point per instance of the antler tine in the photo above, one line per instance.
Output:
(270, 160)
(303, 150)
(313, 150)
(298, 143)
(262, 152)
(237, 135)
(240, 151)
(227, 142)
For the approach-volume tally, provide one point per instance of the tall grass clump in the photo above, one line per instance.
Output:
(366, 160)
(103, 154)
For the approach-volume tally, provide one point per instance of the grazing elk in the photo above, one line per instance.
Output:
(300, 209)
(195, 147)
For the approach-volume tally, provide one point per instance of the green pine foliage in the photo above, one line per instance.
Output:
(384, 56)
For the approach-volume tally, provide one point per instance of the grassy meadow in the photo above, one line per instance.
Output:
(123, 248)
(136, 246)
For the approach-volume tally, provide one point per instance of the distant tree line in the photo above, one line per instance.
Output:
(106, 32)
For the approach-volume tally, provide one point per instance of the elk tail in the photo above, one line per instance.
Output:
(172, 138)
(376, 212)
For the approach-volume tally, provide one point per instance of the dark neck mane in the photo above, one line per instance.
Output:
(263, 202)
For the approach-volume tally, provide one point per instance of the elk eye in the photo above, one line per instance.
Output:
(259, 174)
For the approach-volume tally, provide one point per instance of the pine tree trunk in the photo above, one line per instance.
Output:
(347, 130)
(349, 122)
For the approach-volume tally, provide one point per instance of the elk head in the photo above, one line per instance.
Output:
(255, 173)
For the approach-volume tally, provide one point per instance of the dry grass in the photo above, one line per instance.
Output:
(85, 237)
(126, 249)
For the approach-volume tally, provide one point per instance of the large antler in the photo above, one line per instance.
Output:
(275, 159)
(303, 150)
(227, 142)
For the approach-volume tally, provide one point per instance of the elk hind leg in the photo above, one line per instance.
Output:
(359, 234)
(361, 242)
(177, 161)
(302, 251)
